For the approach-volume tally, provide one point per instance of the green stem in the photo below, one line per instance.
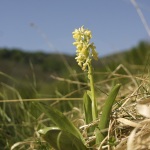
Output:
(94, 103)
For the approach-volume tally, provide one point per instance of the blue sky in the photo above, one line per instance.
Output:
(115, 24)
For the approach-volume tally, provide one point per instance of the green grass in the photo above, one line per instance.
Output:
(20, 120)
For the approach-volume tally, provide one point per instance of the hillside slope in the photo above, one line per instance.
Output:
(35, 68)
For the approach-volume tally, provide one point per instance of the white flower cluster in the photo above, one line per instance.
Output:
(85, 50)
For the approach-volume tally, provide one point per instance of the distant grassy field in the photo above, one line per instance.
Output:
(56, 80)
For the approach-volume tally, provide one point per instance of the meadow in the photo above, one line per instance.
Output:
(32, 83)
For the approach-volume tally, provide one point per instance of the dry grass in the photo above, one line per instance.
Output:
(128, 128)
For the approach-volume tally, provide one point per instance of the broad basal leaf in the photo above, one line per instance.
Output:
(62, 140)
(60, 120)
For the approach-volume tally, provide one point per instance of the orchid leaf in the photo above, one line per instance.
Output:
(61, 140)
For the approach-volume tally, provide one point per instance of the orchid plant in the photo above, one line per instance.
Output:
(65, 135)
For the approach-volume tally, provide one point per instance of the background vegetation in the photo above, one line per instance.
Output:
(38, 77)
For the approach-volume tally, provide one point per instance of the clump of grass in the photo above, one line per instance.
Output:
(107, 121)
(20, 127)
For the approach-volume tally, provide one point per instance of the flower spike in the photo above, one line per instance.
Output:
(85, 50)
